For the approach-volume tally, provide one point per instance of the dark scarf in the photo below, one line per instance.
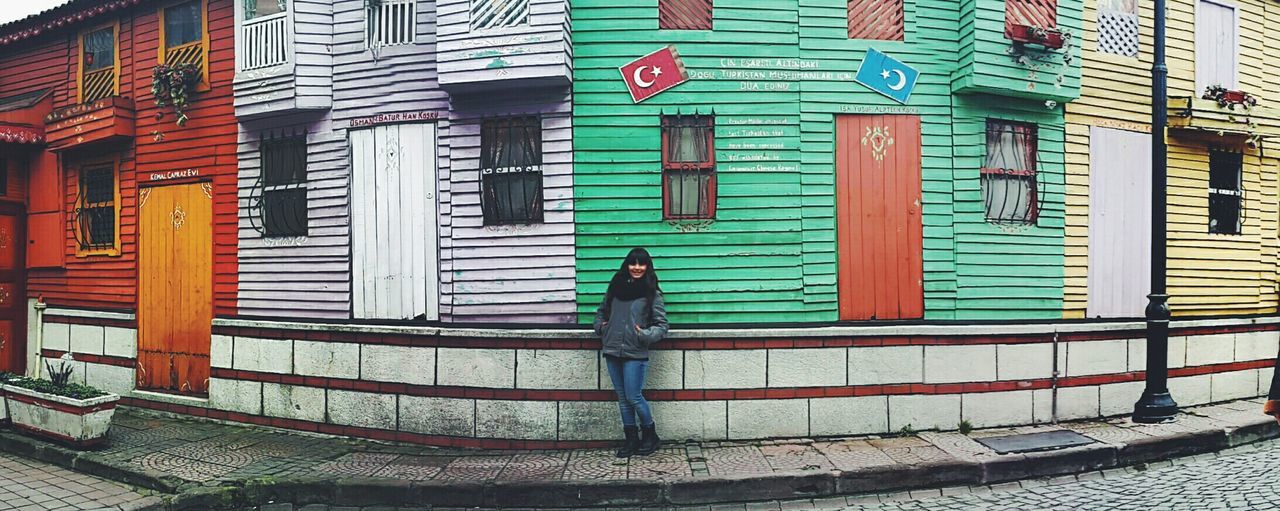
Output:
(624, 288)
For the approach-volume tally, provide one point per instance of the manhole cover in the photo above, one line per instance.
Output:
(1031, 442)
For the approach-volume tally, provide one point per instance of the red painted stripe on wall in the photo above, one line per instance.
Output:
(93, 359)
(714, 344)
(720, 394)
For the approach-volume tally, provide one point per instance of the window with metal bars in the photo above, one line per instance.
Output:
(390, 22)
(877, 19)
(688, 167)
(98, 73)
(1226, 193)
(685, 14)
(511, 170)
(95, 213)
(1010, 189)
(1030, 13)
(490, 14)
(278, 205)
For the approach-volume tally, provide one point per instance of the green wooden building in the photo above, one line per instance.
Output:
(780, 184)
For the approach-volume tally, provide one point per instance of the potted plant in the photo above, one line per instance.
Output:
(4, 410)
(1229, 98)
(1026, 34)
(58, 409)
(172, 86)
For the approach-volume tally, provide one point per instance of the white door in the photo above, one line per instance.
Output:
(1216, 45)
(1119, 223)
(394, 224)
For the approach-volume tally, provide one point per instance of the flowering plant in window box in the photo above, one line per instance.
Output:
(173, 85)
(1027, 34)
(57, 409)
(1229, 98)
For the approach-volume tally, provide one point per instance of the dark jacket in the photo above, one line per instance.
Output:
(619, 337)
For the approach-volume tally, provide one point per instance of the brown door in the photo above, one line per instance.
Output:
(175, 287)
(13, 311)
(881, 273)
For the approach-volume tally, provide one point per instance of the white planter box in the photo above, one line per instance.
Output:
(82, 423)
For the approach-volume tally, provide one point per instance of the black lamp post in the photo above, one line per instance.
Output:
(1156, 405)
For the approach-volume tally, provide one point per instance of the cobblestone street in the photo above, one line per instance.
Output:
(27, 485)
(1244, 478)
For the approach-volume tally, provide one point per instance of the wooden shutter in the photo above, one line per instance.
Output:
(876, 19)
(393, 222)
(684, 14)
(48, 231)
(1031, 13)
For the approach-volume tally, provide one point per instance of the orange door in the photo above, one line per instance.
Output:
(881, 273)
(175, 287)
(13, 312)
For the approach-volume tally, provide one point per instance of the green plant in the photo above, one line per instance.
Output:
(966, 427)
(71, 390)
(60, 376)
(173, 85)
(907, 431)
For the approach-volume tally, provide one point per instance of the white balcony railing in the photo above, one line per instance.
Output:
(263, 42)
(391, 22)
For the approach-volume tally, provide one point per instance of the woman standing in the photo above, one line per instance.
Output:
(630, 319)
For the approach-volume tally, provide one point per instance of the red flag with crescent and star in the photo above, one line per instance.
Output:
(653, 73)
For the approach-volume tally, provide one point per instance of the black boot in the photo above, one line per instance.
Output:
(648, 440)
(632, 442)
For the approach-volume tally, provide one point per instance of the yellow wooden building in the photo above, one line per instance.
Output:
(1222, 187)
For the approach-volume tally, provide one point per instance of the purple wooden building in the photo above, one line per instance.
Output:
(405, 159)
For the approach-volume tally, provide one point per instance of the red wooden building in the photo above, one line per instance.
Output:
(129, 217)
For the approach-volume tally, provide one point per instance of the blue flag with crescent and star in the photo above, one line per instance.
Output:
(887, 75)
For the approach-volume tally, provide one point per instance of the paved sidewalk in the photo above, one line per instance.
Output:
(27, 485)
(205, 464)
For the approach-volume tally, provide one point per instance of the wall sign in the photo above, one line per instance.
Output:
(174, 174)
(887, 75)
(396, 117)
(654, 73)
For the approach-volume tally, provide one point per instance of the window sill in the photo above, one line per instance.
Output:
(114, 252)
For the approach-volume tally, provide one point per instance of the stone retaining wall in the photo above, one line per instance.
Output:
(499, 389)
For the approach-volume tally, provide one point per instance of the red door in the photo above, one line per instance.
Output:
(13, 313)
(878, 219)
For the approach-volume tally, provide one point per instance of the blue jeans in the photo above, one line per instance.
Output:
(628, 381)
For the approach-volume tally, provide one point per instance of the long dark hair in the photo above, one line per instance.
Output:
(622, 285)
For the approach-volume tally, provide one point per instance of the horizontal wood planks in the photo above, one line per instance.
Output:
(1208, 273)
(776, 76)
(206, 143)
(497, 274)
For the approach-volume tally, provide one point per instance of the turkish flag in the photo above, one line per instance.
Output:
(653, 73)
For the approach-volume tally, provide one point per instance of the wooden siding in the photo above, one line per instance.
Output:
(206, 143)
(305, 81)
(537, 52)
(1208, 274)
(775, 76)
(987, 66)
(493, 274)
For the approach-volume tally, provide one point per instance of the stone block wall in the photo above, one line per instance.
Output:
(549, 388)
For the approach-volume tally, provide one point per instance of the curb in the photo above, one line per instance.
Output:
(640, 493)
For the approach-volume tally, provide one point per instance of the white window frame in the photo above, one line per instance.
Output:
(1202, 82)
(242, 46)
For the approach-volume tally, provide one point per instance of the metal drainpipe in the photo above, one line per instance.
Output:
(39, 347)
(1053, 381)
